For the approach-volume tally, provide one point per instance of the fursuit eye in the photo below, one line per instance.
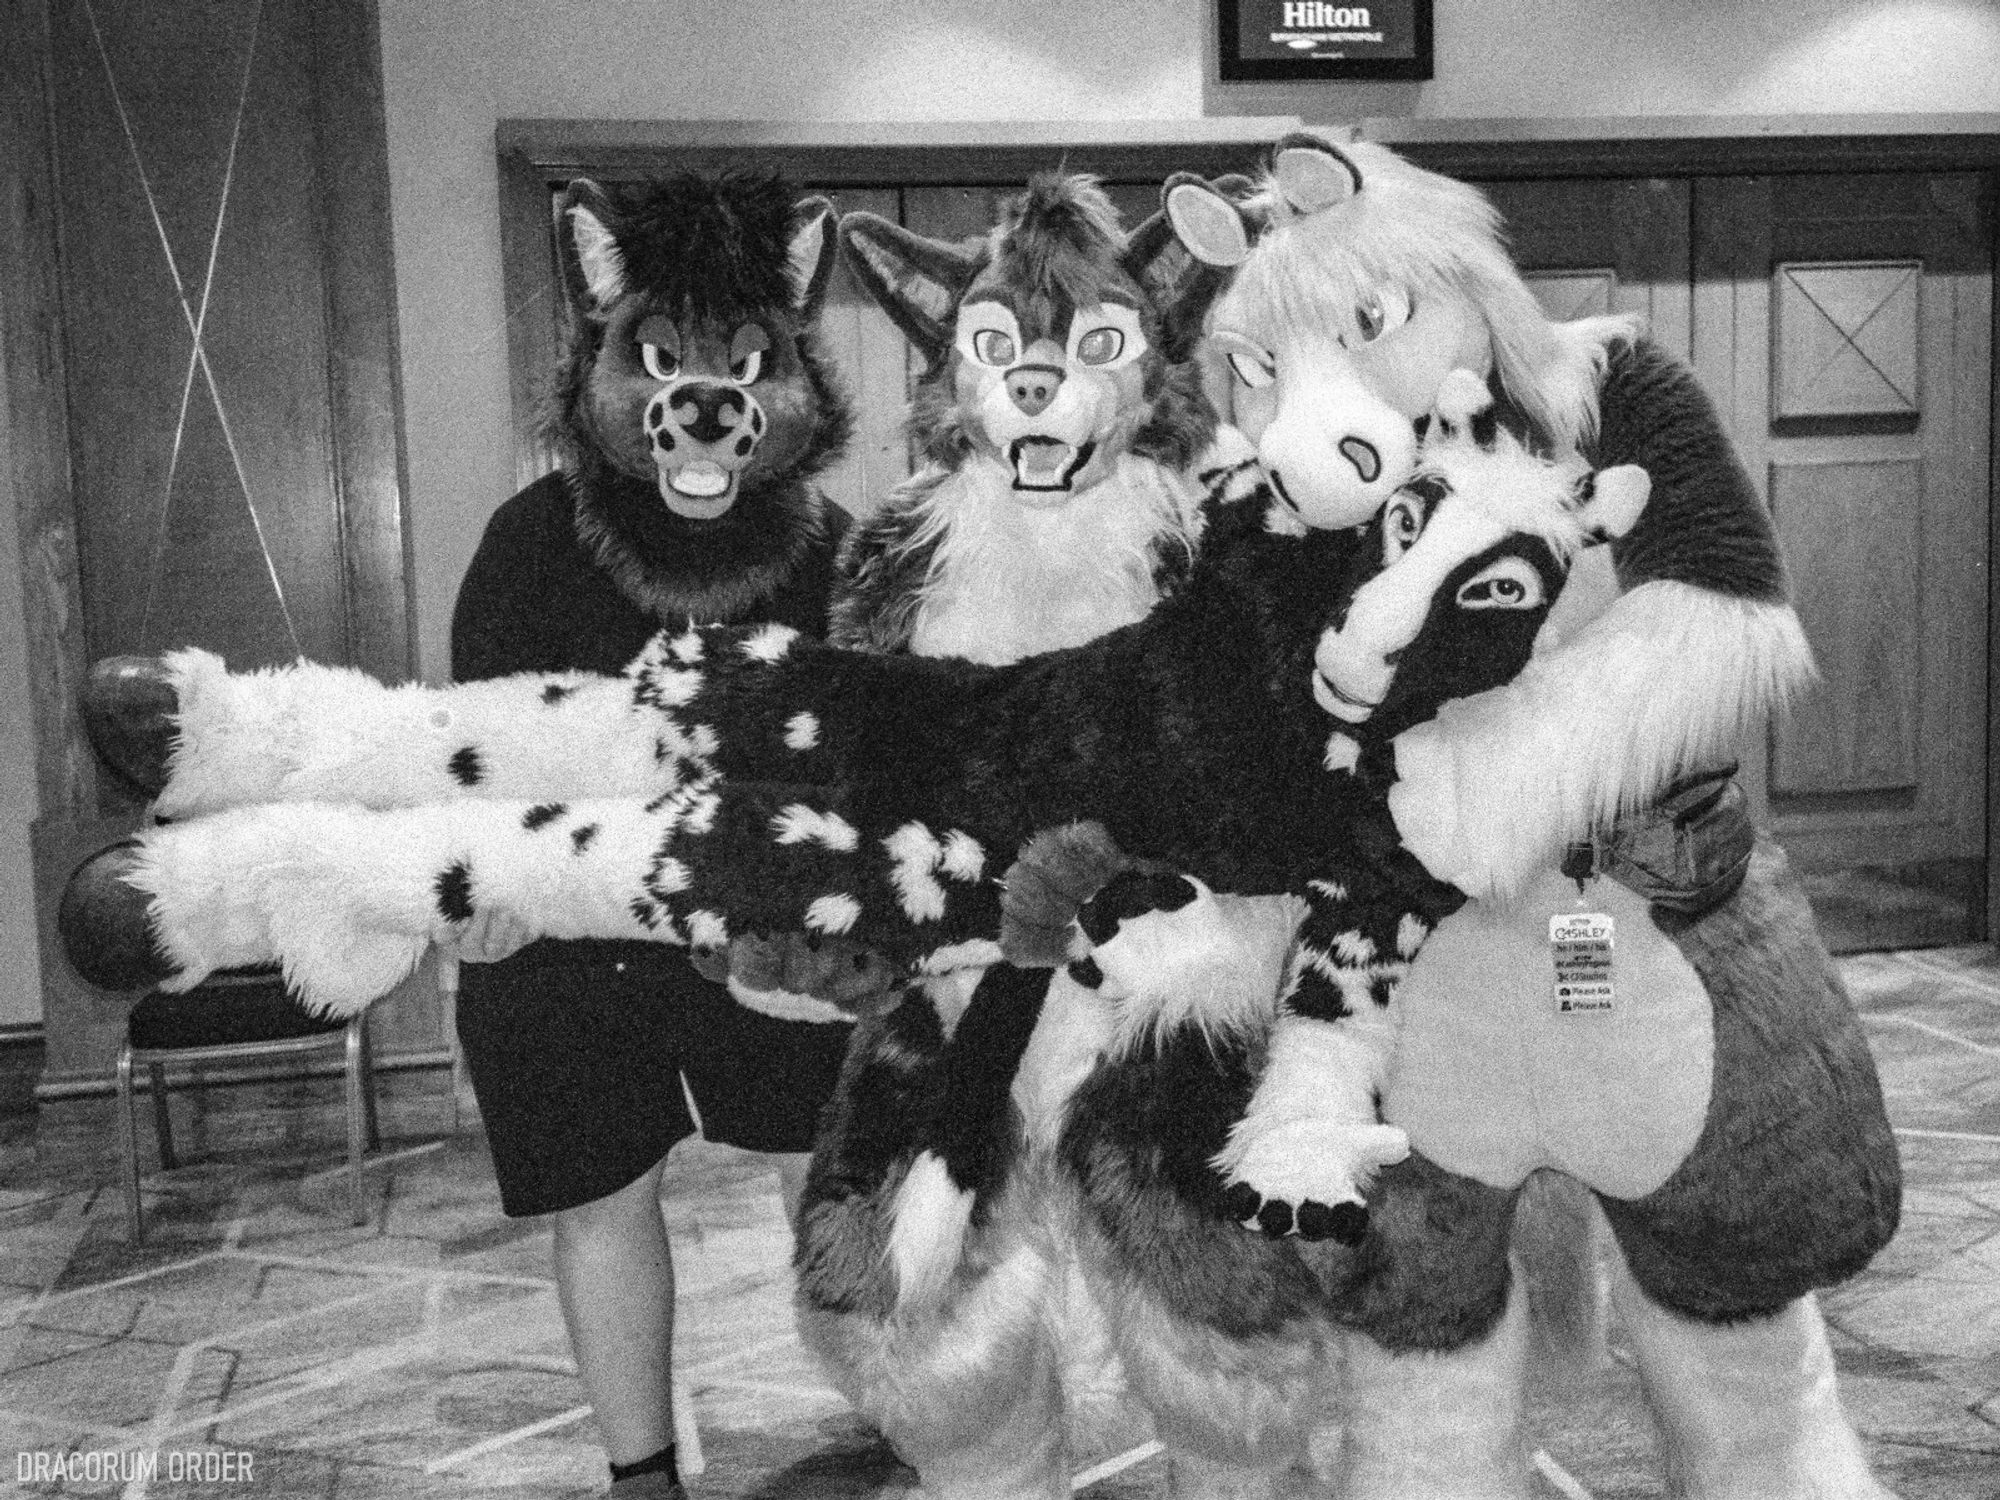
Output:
(1382, 311)
(993, 347)
(1252, 370)
(1402, 524)
(1508, 584)
(1100, 346)
(745, 371)
(661, 362)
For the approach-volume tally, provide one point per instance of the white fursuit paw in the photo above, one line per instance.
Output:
(1174, 954)
(1306, 1177)
(1306, 1150)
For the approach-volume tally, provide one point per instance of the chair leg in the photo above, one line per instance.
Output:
(128, 1108)
(357, 1124)
(368, 1089)
(163, 1124)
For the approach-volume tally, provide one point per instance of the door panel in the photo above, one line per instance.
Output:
(202, 286)
(1600, 245)
(870, 356)
(1844, 324)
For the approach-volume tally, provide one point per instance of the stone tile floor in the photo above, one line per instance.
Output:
(422, 1354)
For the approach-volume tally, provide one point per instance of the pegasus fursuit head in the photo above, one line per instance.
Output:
(694, 408)
(1059, 417)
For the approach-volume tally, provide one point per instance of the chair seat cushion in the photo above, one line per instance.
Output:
(225, 1011)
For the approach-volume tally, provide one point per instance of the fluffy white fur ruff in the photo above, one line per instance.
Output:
(1668, 680)
(1310, 1131)
(333, 734)
(927, 1233)
(1010, 580)
(1748, 1410)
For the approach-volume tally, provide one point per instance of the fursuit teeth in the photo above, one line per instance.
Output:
(1044, 465)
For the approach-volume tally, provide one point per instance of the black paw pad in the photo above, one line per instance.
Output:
(1086, 973)
(1350, 1222)
(1132, 893)
(1344, 1222)
(1239, 1202)
(1275, 1218)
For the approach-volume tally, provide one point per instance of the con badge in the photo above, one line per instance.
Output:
(1580, 944)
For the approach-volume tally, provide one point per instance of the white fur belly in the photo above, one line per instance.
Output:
(1012, 580)
(1492, 1081)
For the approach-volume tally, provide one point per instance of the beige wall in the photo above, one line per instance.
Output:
(455, 67)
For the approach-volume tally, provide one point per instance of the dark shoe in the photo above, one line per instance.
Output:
(129, 706)
(104, 923)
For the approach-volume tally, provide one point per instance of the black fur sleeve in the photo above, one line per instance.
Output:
(1704, 523)
(878, 582)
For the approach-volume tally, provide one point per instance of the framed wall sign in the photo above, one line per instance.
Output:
(1270, 41)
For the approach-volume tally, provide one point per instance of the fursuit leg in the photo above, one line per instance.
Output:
(967, 1391)
(930, 1324)
(1241, 1418)
(346, 899)
(309, 733)
(1748, 1410)
(1443, 1426)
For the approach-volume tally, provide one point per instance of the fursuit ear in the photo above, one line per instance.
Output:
(1461, 396)
(1208, 223)
(917, 281)
(593, 265)
(814, 248)
(1617, 497)
(1312, 174)
(1179, 285)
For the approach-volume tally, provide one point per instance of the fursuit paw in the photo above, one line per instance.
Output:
(1133, 945)
(105, 925)
(834, 971)
(1040, 894)
(1307, 1177)
(1173, 953)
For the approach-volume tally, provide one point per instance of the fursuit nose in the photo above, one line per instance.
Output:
(1363, 455)
(703, 434)
(708, 410)
(1033, 387)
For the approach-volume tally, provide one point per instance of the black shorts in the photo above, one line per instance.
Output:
(577, 1052)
